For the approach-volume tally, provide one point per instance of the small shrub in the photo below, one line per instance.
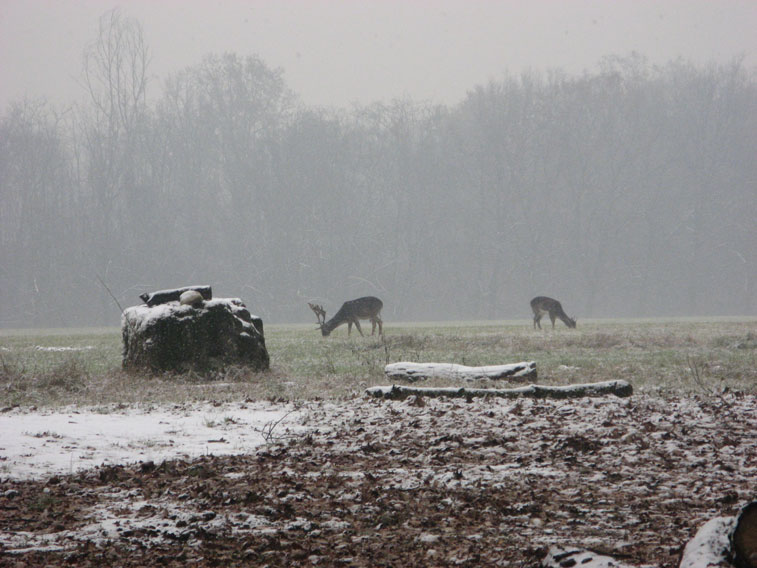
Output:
(70, 376)
(10, 371)
(44, 502)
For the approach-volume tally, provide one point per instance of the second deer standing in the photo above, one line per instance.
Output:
(368, 307)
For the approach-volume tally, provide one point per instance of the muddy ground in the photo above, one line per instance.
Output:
(419, 482)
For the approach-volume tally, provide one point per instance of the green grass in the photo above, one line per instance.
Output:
(61, 367)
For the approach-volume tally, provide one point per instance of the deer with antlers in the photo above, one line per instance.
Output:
(351, 312)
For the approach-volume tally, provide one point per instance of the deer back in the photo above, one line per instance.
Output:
(545, 304)
(367, 307)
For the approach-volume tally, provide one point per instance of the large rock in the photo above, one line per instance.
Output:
(207, 335)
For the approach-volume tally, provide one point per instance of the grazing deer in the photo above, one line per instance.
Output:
(351, 312)
(541, 305)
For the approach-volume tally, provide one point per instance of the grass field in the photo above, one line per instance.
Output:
(59, 367)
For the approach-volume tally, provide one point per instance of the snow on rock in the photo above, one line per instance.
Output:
(177, 337)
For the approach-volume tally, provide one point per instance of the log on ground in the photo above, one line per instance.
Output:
(710, 546)
(173, 295)
(563, 557)
(724, 541)
(617, 388)
(721, 541)
(413, 372)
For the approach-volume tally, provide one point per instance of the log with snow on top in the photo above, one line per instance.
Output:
(617, 388)
(421, 371)
(561, 557)
(724, 539)
(720, 542)
(710, 545)
(174, 295)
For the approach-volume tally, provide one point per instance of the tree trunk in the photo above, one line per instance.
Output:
(421, 371)
(618, 388)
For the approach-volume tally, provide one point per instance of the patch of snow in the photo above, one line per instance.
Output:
(62, 349)
(606, 460)
(143, 315)
(405, 370)
(35, 445)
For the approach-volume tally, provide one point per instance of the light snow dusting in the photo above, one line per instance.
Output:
(634, 476)
(39, 444)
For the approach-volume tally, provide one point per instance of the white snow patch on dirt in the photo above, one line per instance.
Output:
(63, 349)
(38, 444)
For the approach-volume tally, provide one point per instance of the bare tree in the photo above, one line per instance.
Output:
(115, 70)
(114, 140)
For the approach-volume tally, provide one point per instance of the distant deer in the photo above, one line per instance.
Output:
(351, 312)
(541, 305)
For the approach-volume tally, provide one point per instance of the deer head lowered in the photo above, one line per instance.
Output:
(542, 305)
(351, 312)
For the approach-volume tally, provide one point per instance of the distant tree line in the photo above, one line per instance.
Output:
(629, 191)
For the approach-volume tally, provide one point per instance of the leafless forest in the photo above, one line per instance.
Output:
(630, 191)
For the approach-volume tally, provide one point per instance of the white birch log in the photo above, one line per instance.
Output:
(413, 372)
(722, 542)
(710, 546)
(561, 557)
(617, 388)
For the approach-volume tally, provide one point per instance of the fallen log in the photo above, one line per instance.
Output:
(617, 388)
(173, 295)
(710, 546)
(413, 372)
(561, 557)
(720, 542)
(724, 541)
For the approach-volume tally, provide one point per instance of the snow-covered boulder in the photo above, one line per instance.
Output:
(202, 336)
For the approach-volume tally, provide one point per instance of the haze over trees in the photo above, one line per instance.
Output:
(631, 191)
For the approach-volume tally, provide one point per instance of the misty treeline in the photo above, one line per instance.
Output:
(628, 191)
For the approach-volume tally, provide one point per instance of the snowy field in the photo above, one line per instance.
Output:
(415, 482)
(34, 445)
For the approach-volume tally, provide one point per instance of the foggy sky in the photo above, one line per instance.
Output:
(338, 52)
